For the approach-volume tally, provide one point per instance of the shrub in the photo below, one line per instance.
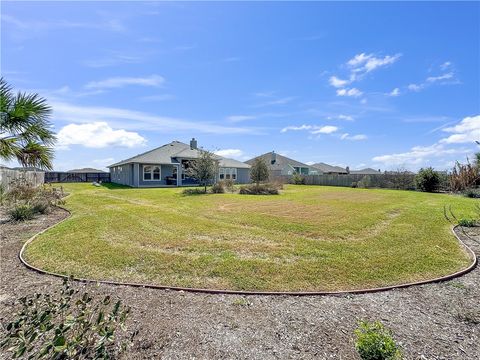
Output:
(41, 206)
(262, 189)
(466, 222)
(375, 342)
(259, 171)
(21, 212)
(218, 188)
(472, 193)
(427, 180)
(354, 184)
(365, 182)
(229, 185)
(193, 191)
(464, 176)
(298, 179)
(66, 325)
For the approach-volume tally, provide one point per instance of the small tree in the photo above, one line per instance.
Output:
(204, 169)
(259, 171)
(427, 180)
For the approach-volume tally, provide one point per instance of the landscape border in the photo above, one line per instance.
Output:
(459, 273)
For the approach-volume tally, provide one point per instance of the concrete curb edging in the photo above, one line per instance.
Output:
(243, 292)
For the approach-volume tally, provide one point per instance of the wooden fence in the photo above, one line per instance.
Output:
(66, 177)
(390, 181)
(35, 178)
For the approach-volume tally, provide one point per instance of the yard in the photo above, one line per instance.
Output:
(309, 238)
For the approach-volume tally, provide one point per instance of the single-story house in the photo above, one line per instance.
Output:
(367, 171)
(86, 171)
(167, 164)
(282, 165)
(330, 169)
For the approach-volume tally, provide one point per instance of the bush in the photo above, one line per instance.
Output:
(472, 193)
(21, 212)
(298, 179)
(374, 342)
(467, 222)
(365, 182)
(354, 184)
(229, 185)
(427, 180)
(66, 325)
(262, 189)
(193, 191)
(218, 188)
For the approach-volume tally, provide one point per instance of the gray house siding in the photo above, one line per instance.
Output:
(122, 174)
(243, 176)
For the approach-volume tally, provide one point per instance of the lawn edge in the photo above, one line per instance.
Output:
(459, 273)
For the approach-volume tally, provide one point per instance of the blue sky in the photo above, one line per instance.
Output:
(377, 84)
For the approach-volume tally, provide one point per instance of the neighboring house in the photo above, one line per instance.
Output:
(281, 165)
(330, 169)
(367, 171)
(166, 166)
(86, 170)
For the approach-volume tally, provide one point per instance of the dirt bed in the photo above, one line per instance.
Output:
(435, 321)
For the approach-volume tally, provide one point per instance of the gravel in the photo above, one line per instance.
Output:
(434, 321)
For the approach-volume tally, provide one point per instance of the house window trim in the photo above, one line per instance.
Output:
(151, 172)
(230, 171)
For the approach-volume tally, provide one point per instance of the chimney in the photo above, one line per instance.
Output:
(274, 158)
(193, 144)
(347, 169)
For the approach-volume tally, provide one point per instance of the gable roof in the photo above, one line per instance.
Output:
(86, 170)
(280, 161)
(168, 154)
(326, 168)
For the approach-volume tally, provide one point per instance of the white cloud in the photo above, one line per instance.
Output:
(366, 63)
(357, 137)
(445, 65)
(467, 131)
(231, 153)
(238, 118)
(336, 82)
(118, 82)
(415, 87)
(394, 92)
(354, 92)
(447, 76)
(341, 117)
(313, 129)
(137, 120)
(98, 135)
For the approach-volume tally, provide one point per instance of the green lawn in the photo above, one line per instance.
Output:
(309, 238)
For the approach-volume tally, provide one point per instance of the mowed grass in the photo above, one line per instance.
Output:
(309, 238)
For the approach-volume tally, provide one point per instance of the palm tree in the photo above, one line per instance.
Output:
(25, 129)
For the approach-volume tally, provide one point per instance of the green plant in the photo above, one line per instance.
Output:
(25, 130)
(375, 342)
(21, 212)
(229, 185)
(365, 182)
(193, 191)
(203, 169)
(427, 180)
(466, 222)
(218, 188)
(298, 179)
(472, 193)
(354, 184)
(259, 171)
(261, 189)
(66, 325)
(3, 192)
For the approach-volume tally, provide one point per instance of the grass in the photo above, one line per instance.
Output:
(309, 238)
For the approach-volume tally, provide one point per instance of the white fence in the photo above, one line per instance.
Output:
(35, 178)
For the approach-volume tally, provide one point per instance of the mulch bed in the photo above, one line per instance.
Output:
(434, 321)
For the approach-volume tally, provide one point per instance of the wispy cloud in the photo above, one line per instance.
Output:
(467, 131)
(365, 63)
(394, 92)
(353, 92)
(137, 120)
(336, 82)
(232, 153)
(357, 137)
(113, 60)
(159, 97)
(118, 82)
(239, 118)
(312, 129)
(445, 78)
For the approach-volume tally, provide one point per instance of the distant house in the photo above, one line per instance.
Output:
(167, 165)
(330, 169)
(282, 165)
(28, 168)
(86, 171)
(367, 171)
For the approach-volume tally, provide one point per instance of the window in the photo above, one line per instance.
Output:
(151, 173)
(227, 173)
